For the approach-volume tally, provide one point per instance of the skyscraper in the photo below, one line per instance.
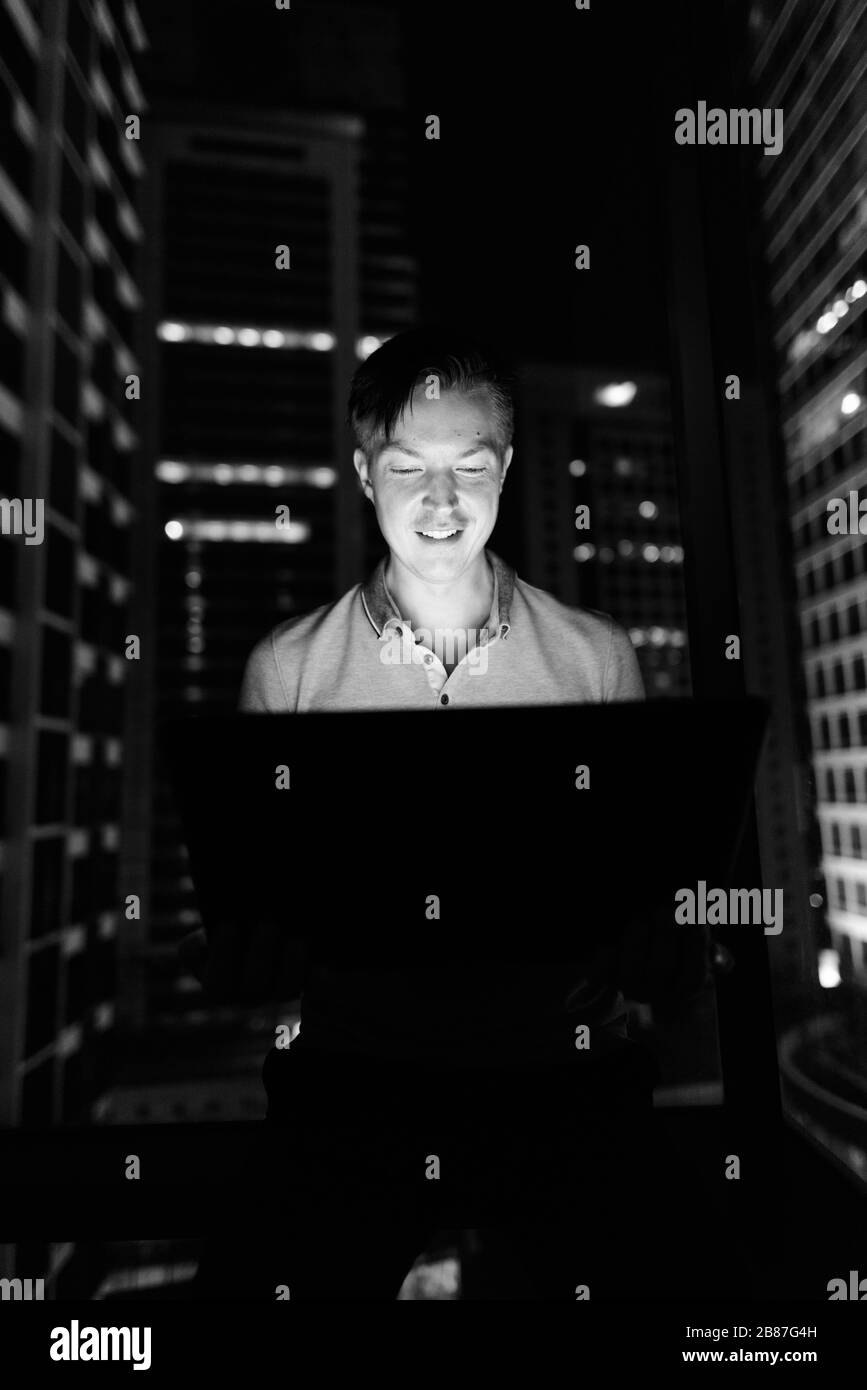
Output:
(70, 232)
(602, 527)
(71, 303)
(810, 60)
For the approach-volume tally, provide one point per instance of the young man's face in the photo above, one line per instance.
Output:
(439, 472)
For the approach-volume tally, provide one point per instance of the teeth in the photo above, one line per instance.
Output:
(440, 535)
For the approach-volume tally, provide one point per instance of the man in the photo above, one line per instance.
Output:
(443, 621)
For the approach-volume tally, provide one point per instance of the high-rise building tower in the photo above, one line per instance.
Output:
(69, 438)
(602, 527)
(810, 60)
(68, 195)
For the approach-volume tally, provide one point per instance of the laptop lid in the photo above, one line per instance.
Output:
(530, 833)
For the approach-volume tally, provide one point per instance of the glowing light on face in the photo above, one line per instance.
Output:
(439, 472)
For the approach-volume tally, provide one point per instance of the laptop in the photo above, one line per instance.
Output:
(416, 839)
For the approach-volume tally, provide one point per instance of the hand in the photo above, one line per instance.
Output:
(254, 965)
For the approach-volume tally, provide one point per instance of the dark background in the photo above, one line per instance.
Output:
(556, 130)
(543, 147)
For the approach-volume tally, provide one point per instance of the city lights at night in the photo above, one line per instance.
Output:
(361, 365)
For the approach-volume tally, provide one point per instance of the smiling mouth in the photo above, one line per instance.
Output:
(440, 536)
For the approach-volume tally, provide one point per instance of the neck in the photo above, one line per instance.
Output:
(463, 603)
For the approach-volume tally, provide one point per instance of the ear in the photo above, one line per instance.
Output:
(359, 458)
(507, 459)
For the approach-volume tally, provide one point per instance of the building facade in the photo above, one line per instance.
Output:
(71, 236)
(810, 59)
(594, 460)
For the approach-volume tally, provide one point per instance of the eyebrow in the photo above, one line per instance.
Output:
(395, 446)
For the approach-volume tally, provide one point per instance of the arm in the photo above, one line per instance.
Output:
(263, 689)
(622, 679)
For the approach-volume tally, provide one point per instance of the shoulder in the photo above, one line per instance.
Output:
(601, 644)
(272, 667)
(589, 624)
(295, 635)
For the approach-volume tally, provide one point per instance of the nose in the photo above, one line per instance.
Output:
(441, 494)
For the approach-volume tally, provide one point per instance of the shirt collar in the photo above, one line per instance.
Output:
(380, 607)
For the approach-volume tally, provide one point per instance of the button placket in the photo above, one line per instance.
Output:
(435, 673)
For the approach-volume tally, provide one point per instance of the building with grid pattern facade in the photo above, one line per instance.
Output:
(811, 60)
(71, 234)
(574, 450)
(71, 231)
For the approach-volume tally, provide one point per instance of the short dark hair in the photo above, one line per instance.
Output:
(383, 385)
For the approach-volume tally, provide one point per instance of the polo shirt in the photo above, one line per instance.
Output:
(359, 653)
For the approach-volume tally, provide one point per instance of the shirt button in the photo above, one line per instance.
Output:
(428, 660)
(444, 699)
